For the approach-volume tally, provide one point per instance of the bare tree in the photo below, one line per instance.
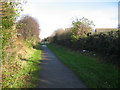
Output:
(28, 28)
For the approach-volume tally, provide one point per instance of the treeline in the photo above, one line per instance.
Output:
(80, 37)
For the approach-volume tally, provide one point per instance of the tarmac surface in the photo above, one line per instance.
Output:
(55, 74)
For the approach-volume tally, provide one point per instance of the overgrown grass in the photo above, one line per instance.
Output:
(32, 69)
(23, 72)
(92, 72)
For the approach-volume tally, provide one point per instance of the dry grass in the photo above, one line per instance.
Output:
(15, 71)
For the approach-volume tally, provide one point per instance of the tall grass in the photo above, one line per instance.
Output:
(22, 72)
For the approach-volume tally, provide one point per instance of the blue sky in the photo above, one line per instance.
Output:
(54, 14)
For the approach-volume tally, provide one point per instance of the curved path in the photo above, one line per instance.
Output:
(54, 74)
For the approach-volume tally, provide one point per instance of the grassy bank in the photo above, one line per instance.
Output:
(92, 72)
(23, 72)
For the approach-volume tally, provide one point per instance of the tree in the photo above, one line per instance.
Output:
(57, 34)
(9, 12)
(81, 28)
(28, 28)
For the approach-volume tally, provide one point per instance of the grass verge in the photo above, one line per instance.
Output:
(92, 72)
(32, 69)
(22, 72)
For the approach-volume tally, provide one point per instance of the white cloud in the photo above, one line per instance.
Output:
(104, 18)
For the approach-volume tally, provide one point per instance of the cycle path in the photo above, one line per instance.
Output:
(55, 74)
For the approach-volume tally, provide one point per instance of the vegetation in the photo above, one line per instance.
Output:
(20, 61)
(21, 54)
(24, 71)
(80, 37)
(81, 28)
(28, 29)
(92, 72)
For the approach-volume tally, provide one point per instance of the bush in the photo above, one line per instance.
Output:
(105, 43)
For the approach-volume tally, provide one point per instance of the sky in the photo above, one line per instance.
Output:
(54, 14)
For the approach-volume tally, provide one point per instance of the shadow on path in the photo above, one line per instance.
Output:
(54, 74)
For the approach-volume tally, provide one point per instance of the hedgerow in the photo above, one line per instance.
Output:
(78, 37)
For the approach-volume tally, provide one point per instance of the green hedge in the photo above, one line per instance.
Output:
(106, 43)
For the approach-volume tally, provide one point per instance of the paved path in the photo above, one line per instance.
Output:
(54, 74)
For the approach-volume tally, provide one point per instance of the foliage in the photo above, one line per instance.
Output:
(15, 72)
(28, 29)
(8, 13)
(24, 71)
(92, 72)
(79, 38)
(81, 27)
(106, 44)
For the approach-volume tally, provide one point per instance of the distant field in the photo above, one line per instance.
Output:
(92, 72)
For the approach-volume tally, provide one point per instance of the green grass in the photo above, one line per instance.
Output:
(32, 69)
(27, 74)
(92, 72)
